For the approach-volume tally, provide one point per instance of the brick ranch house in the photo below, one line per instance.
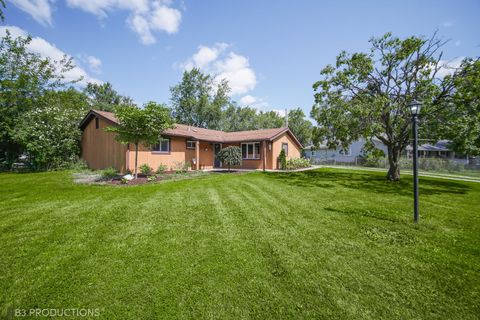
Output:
(183, 144)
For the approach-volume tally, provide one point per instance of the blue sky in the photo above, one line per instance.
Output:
(272, 51)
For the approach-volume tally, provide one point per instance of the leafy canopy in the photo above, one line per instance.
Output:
(231, 156)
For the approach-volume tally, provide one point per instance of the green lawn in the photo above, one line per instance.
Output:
(317, 244)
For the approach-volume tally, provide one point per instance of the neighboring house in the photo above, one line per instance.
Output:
(440, 149)
(323, 153)
(183, 144)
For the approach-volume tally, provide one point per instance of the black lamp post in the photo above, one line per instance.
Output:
(415, 109)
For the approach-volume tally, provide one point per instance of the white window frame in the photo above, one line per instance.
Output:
(255, 155)
(160, 145)
(194, 144)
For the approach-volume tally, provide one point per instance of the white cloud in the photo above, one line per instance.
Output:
(280, 112)
(247, 100)
(145, 17)
(231, 66)
(447, 24)
(47, 50)
(40, 10)
(448, 67)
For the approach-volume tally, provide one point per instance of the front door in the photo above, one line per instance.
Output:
(216, 148)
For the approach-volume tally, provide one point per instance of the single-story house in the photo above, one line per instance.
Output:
(183, 144)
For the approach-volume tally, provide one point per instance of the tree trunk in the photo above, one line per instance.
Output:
(136, 159)
(393, 173)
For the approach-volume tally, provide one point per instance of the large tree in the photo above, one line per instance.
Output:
(458, 120)
(367, 94)
(301, 127)
(104, 96)
(236, 118)
(49, 133)
(140, 125)
(198, 100)
(24, 78)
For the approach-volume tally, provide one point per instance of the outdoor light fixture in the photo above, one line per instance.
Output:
(415, 107)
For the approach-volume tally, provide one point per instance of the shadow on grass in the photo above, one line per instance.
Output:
(368, 181)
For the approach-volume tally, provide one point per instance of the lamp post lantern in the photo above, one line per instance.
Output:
(415, 110)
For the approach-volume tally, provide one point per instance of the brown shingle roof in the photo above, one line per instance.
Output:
(196, 133)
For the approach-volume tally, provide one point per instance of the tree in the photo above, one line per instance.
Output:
(232, 156)
(367, 94)
(269, 119)
(282, 158)
(2, 6)
(49, 133)
(198, 101)
(237, 118)
(301, 127)
(458, 119)
(104, 97)
(136, 125)
(24, 78)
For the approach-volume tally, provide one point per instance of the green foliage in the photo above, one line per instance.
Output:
(197, 101)
(137, 125)
(161, 168)
(231, 156)
(108, 174)
(367, 94)
(459, 118)
(152, 178)
(301, 127)
(124, 181)
(297, 163)
(104, 97)
(2, 6)
(145, 169)
(282, 158)
(49, 133)
(24, 78)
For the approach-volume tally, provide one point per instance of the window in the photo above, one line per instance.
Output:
(96, 123)
(191, 144)
(285, 147)
(251, 150)
(345, 152)
(163, 145)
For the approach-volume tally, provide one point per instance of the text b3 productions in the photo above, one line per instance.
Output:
(53, 312)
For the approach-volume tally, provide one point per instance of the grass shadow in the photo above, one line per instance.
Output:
(368, 181)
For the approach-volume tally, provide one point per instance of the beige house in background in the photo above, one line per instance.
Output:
(183, 144)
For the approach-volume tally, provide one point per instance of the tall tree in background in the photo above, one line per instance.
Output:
(367, 94)
(458, 119)
(24, 78)
(136, 125)
(269, 119)
(236, 118)
(198, 101)
(301, 127)
(104, 96)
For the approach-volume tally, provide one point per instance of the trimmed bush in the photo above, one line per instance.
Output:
(109, 174)
(162, 168)
(231, 156)
(297, 163)
(145, 169)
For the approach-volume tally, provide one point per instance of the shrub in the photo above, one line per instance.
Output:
(297, 163)
(79, 165)
(231, 156)
(282, 158)
(162, 168)
(152, 178)
(180, 167)
(145, 169)
(109, 174)
(124, 181)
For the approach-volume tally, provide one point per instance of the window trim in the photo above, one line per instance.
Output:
(252, 143)
(194, 144)
(285, 144)
(169, 146)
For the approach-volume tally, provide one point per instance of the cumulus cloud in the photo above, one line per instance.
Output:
(146, 16)
(40, 10)
(224, 64)
(247, 100)
(47, 50)
(448, 67)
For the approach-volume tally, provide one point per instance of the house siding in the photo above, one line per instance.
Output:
(100, 149)
(293, 149)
